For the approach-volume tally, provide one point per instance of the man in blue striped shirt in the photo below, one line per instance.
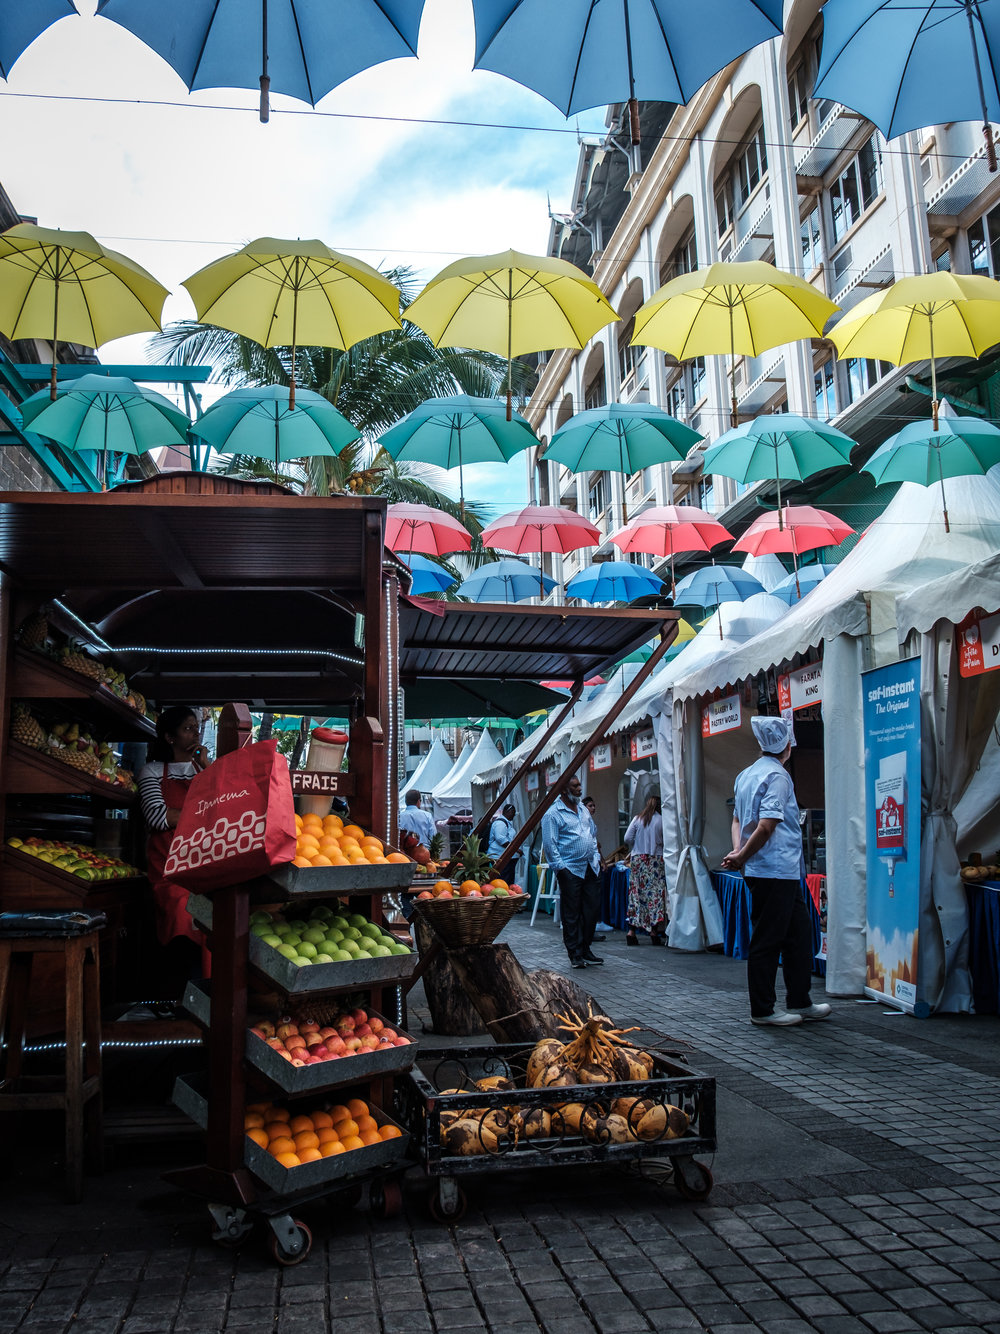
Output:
(569, 842)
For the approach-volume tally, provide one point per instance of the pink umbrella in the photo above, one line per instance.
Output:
(411, 527)
(541, 528)
(666, 530)
(795, 528)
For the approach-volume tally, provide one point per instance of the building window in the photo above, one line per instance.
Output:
(725, 209)
(631, 358)
(597, 496)
(825, 391)
(682, 259)
(595, 395)
(799, 88)
(740, 178)
(984, 244)
(811, 240)
(706, 494)
(863, 374)
(688, 387)
(751, 165)
(856, 189)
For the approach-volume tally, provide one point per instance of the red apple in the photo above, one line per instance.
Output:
(389, 1033)
(260, 1032)
(401, 1042)
(313, 1039)
(362, 1031)
(287, 1030)
(336, 1045)
(286, 1054)
(295, 1043)
(370, 1043)
(375, 1024)
(352, 1044)
(297, 1062)
(359, 1017)
(327, 1033)
(345, 1026)
(308, 1027)
(276, 1043)
(267, 1027)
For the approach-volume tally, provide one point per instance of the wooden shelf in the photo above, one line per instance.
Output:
(29, 882)
(33, 676)
(30, 772)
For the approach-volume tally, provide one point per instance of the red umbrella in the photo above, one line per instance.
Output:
(795, 528)
(411, 527)
(541, 528)
(666, 530)
(567, 685)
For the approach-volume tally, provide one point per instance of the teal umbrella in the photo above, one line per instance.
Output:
(257, 422)
(451, 432)
(779, 445)
(621, 437)
(107, 414)
(959, 447)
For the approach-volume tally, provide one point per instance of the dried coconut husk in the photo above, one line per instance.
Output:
(537, 1124)
(543, 1055)
(594, 1045)
(495, 1084)
(558, 1075)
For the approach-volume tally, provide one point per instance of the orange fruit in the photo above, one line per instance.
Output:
(320, 860)
(327, 1136)
(390, 1132)
(339, 1113)
(258, 1136)
(500, 884)
(301, 861)
(331, 1147)
(306, 1139)
(299, 1123)
(309, 1155)
(252, 1119)
(357, 1108)
(354, 830)
(397, 858)
(298, 820)
(312, 819)
(275, 1129)
(321, 1120)
(370, 1137)
(287, 1159)
(338, 859)
(353, 1142)
(366, 1123)
(346, 1128)
(370, 841)
(467, 886)
(280, 1114)
(283, 1144)
(328, 842)
(440, 885)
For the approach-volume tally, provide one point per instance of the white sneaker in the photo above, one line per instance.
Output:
(780, 1019)
(820, 1011)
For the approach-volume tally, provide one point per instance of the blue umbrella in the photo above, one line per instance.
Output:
(613, 581)
(21, 23)
(589, 53)
(905, 65)
(714, 584)
(505, 581)
(428, 576)
(792, 591)
(303, 47)
(257, 422)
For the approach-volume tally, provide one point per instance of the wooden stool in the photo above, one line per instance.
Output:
(78, 1093)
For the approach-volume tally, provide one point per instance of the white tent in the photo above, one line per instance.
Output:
(454, 793)
(768, 569)
(433, 769)
(852, 613)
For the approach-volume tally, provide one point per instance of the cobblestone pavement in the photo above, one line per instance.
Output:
(857, 1189)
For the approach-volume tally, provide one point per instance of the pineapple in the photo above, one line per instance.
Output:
(25, 728)
(73, 657)
(436, 844)
(471, 863)
(34, 631)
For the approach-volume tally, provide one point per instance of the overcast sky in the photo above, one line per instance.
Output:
(176, 185)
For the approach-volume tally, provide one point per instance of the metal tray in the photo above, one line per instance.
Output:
(191, 1097)
(306, 882)
(294, 1079)
(304, 979)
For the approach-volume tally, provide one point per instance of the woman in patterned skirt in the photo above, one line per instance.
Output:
(647, 882)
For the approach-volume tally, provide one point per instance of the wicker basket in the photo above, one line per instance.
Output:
(465, 921)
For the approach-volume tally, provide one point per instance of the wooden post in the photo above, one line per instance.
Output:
(368, 738)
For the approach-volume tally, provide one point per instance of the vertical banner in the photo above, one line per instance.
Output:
(891, 718)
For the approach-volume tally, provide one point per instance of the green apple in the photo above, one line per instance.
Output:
(280, 928)
(322, 913)
(272, 940)
(341, 956)
(300, 961)
(351, 933)
(358, 919)
(363, 954)
(288, 951)
(323, 958)
(314, 935)
(398, 948)
(380, 951)
(352, 947)
(307, 950)
(335, 933)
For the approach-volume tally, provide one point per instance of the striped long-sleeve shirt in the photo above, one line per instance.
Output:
(150, 776)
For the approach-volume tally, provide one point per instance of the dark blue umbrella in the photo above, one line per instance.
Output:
(301, 47)
(505, 581)
(428, 576)
(21, 23)
(589, 53)
(613, 581)
(904, 65)
(714, 584)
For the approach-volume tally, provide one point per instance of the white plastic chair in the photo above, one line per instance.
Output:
(542, 872)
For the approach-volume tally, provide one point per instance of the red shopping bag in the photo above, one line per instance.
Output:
(237, 821)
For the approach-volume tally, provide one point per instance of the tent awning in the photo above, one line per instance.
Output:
(950, 598)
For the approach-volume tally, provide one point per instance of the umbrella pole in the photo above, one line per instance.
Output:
(265, 82)
(510, 335)
(934, 397)
(55, 333)
(795, 567)
(621, 464)
(944, 501)
(295, 321)
(734, 416)
(277, 439)
(633, 105)
(104, 458)
(991, 152)
(461, 479)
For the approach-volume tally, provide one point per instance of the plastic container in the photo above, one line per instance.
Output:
(325, 756)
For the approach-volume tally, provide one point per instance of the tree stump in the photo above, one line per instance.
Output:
(515, 1006)
(451, 1010)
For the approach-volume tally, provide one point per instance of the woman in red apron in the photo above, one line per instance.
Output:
(174, 759)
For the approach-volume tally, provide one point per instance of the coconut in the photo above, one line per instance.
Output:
(537, 1123)
(544, 1053)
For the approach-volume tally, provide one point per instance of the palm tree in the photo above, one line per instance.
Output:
(374, 384)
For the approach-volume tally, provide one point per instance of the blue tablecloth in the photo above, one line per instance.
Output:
(734, 897)
(984, 944)
(614, 896)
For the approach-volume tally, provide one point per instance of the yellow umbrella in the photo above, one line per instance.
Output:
(511, 303)
(744, 307)
(289, 293)
(65, 285)
(918, 319)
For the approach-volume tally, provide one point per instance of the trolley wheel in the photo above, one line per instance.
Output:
(446, 1202)
(656, 1171)
(694, 1181)
(385, 1198)
(293, 1244)
(232, 1225)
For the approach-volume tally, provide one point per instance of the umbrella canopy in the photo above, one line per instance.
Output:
(779, 445)
(613, 581)
(587, 53)
(741, 621)
(413, 527)
(511, 303)
(66, 286)
(506, 581)
(795, 586)
(801, 528)
(540, 528)
(283, 293)
(904, 66)
(743, 306)
(666, 530)
(106, 414)
(450, 432)
(301, 47)
(20, 24)
(957, 447)
(715, 584)
(259, 422)
(918, 319)
(428, 576)
(621, 437)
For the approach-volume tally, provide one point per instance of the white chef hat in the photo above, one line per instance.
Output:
(773, 734)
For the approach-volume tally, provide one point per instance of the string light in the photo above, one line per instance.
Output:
(155, 651)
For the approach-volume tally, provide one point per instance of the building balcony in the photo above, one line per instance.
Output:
(837, 128)
(875, 272)
(964, 186)
(758, 380)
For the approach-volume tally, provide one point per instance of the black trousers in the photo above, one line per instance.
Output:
(580, 909)
(781, 929)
